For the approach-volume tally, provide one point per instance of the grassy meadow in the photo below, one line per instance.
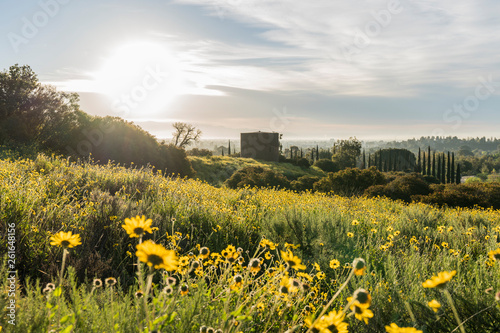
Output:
(403, 246)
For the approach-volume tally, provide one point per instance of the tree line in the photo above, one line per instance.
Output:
(37, 115)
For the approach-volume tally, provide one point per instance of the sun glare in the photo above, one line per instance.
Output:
(140, 79)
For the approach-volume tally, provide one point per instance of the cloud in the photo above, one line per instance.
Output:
(358, 47)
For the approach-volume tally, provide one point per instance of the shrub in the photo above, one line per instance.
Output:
(303, 163)
(304, 183)
(431, 179)
(174, 161)
(465, 195)
(257, 176)
(327, 165)
(473, 180)
(350, 181)
(403, 188)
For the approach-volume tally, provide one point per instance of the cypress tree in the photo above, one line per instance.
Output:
(434, 164)
(369, 160)
(458, 179)
(317, 152)
(301, 153)
(364, 160)
(448, 170)
(380, 160)
(423, 164)
(443, 169)
(429, 160)
(229, 148)
(439, 168)
(452, 171)
(419, 165)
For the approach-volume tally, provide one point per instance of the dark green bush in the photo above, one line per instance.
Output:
(351, 181)
(403, 188)
(465, 195)
(431, 179)
(257, 176)
(304, 183)
(303, 163)
(327, 165)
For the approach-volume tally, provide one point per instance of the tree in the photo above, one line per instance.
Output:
(31, 112)
(443, 168)
(363, 164)
(429, 160)
(438, 173)
(458, 179)
(448, 170)
(452, 170)
(465, 151)
(347, 152)
(184, 134)
(434, 164)
(419, 163)
(424, 171)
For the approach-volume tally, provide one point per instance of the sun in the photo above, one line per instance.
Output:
(140, 78)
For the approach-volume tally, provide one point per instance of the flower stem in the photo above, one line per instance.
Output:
(452, 304)
(331, 301)
(63, 264)
(146, 296)
(61, 274)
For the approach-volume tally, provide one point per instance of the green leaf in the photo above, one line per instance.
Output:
(65, 319)
(57, 292)
(49, 306)
(237, 312)
(172, 317)
(116, 327)
(67, 329)
(160, 319)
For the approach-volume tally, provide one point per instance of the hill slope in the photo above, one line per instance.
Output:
(216, 169)
(403, 244)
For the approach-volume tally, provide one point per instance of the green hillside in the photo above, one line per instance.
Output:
(216, 169)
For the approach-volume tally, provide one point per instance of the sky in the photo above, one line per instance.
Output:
(320, 69)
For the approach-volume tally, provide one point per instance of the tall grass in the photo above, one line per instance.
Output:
(403, 245)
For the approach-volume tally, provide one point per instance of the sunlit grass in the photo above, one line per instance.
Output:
(403, 246)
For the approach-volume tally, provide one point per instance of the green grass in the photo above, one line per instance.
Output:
(216, 169)
(403, 245)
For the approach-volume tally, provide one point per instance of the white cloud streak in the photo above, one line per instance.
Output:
(393, 47)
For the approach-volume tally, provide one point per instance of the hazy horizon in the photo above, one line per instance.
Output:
(391, 70)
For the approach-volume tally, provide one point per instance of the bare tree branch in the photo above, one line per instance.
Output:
(184, 134)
